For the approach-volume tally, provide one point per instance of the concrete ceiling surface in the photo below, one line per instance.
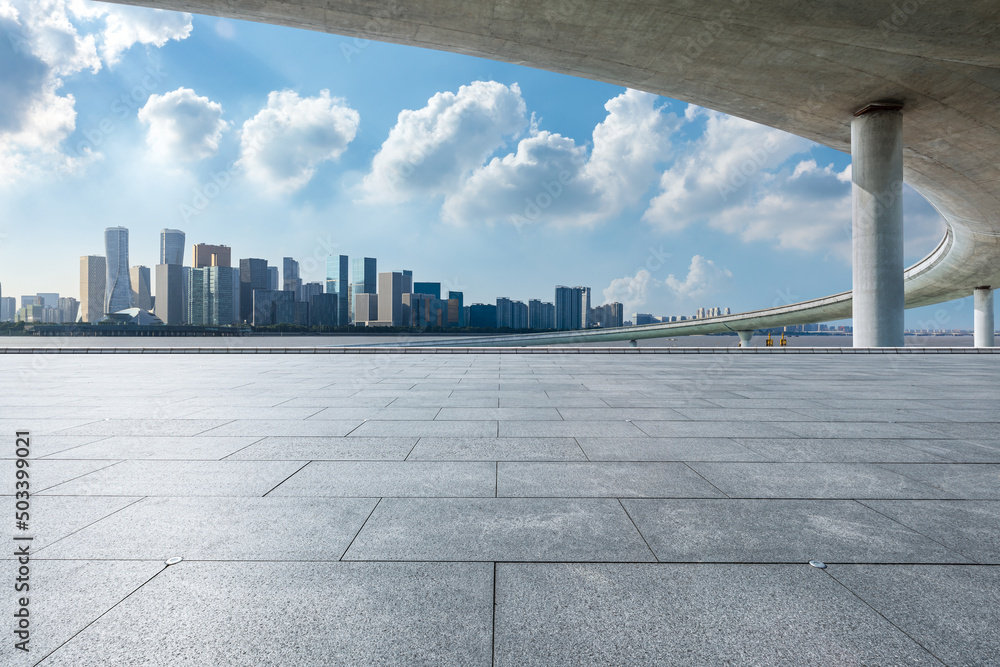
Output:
(802, 66)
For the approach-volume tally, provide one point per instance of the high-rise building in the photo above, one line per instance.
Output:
(309, 290)
(141, 295)
(483, 316)
(210, 296)
(458, 320)
(323, 310)
(611, 315)
(118, 290)
(69, 307)
(541, 315)
(407, 281)
(93, 274)
(48, 299)
(8, 308)
(171, 246)
(390, 298)
(366, 308)
(434, 289)
(170, 305)
(273, 283)
(290, 280)
(505, 313)
(273, 307)
(253, 276)
(364, 276)
(203, 255)
(337, 282)
(572, 307)
(518, 315)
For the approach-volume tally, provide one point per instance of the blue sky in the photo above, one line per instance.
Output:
(492, 178)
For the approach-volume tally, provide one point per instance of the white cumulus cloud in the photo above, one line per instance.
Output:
(181, 125)
(41, 43)
(704, 279)
(282, 146)
(549, 178)
(432, 149)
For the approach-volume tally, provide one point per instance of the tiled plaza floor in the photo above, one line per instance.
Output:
(514, 509)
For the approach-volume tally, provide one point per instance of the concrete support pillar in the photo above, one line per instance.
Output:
(745, 337)
(633, 343)
(877, 194)
(984, 327)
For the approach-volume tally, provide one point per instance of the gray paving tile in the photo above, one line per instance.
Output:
(420, 429)
(624, 614)
(854, 430)
(966, 431)
(244, 412)
(524, 414)
(43, 425)
(279, 529)
(54, 517)
(418, 401)
(497, 449)
(957, 480)
(499, 529)
(313, 448)
(764, 531)
(867, 414)
(772, 414)
(812, 480)
(951, 610)
(330, 613)
(570, 429)
(46, 473)
(66, 596)
(128, 427)
(381, 414)
(158, 447)
(961, 451)
(862, 450)
(177, 478)
(47, 444)
(621, 414)
(264, 427)
(699, 429)
(971, 527)
(666, 449)
(605, 479)
(404, 479)
(542, 400)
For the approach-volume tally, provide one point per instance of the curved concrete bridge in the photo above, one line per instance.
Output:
(806, 68)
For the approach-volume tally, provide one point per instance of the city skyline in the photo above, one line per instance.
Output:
(683, 223)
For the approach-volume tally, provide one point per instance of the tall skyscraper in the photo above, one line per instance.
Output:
(272, 278)
(93, 277)
(390, 298)
(434, 289)
(584, 293)
(171, 246)
(459, 316)
(364, 275)
(290, 280)
(170, 305)
(505, 313)
(141, 295)
(568, 301)
(118, 290)
(210, 295)
(253, 276)
(8, 308)
(203, 255)
(337, 282)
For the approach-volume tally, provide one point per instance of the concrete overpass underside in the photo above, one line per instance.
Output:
(803, 67)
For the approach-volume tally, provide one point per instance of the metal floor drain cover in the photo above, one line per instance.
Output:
(818, 563)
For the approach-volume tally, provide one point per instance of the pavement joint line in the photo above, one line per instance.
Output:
(120, 509)
(363, 524)
(103, 614)
(653, 563)
(66, 481)
(285, 480)
(947, 547)
(68, 449)
(493, 633)
(214, 427)
(707, 481)
(632, 521)
(260, 439)
(884, 617)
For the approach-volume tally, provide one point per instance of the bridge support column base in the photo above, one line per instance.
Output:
(984, 325)
(745, 337)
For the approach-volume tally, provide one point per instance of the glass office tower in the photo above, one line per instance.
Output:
(118, 287)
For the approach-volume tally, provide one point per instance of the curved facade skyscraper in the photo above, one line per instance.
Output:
(118, 286)
(171, 246)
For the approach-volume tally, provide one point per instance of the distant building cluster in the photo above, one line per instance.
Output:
(215, 290)
(639, 319)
